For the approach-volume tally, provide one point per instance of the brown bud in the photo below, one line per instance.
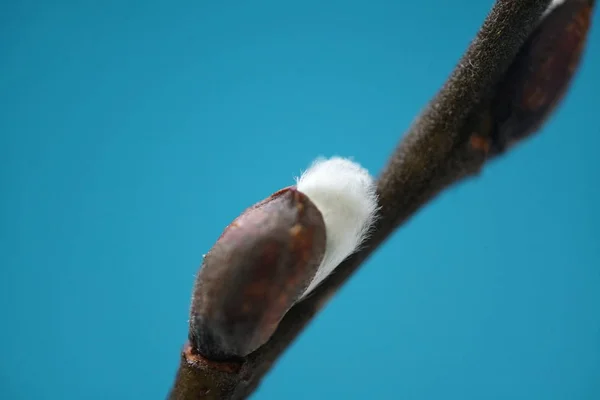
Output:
(256, 271)
(541, 73)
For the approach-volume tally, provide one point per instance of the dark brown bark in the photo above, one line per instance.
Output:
(494, 97)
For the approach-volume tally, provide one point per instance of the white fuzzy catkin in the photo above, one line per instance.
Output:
(344, 193)
(551, 6)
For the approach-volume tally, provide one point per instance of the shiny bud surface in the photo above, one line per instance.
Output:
(542, 72)
(258, 268)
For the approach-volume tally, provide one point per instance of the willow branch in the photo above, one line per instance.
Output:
(477, 115)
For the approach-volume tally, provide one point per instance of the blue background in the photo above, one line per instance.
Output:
(132, 132)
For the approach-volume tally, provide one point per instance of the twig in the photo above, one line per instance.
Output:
(463, 126)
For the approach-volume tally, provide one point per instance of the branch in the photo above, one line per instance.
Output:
(508, 82)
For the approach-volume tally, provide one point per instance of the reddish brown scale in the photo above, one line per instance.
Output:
(541, 73)
(258, 268)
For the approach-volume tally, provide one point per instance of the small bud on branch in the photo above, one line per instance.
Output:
(541, 73)
(275, 253)
(257, 269)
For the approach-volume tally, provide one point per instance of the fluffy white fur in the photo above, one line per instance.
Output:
(344, 192)
(552, 6)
